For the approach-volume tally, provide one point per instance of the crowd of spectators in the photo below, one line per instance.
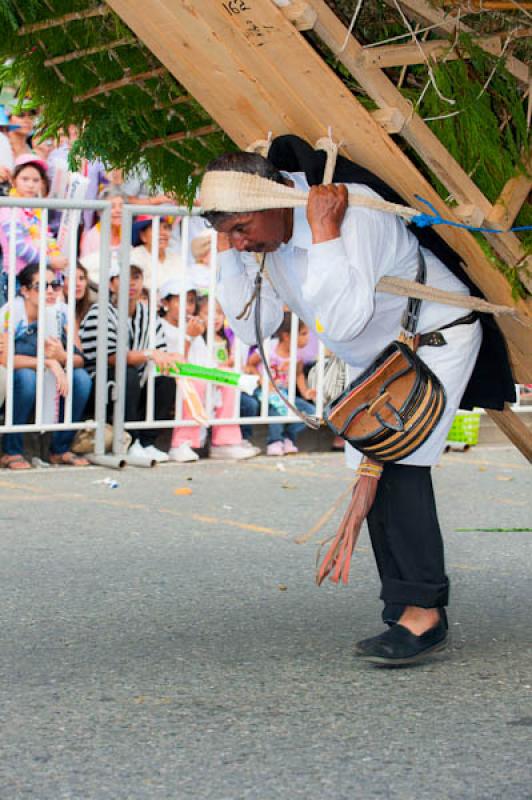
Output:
(30, 167)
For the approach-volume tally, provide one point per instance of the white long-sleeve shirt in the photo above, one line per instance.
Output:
(332, 287)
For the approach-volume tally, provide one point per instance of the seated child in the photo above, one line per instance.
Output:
(184, 438)
(140, 360)
(227, 441)
(282, 436)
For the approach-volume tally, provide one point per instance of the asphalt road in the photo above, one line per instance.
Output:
(155, 645)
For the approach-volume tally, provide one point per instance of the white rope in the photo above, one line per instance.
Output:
(331, 149)
(240, 192)
(495, 67)
(424, 57)
(482, 91)
(351, 26)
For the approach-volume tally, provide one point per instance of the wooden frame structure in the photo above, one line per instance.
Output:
(247, 63)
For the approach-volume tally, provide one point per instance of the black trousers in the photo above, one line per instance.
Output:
(406, 539)
(135, 403)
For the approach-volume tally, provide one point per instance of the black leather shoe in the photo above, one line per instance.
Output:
(398, 646)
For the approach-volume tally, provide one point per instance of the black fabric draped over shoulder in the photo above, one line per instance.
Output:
(492, 383)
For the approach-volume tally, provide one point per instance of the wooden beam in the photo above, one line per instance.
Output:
(515, 429)
(390, 119)
(298, 12)
(197, 56)
(426, 11)
(46, 24)
(524, 270)
(492, 5)
(127, 80)
(469, 214)
(254, 73)
(89, 51)
(399, 55)
(181, 136)
(512, 198)
(177, 101)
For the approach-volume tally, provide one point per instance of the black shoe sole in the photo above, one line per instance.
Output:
(381, 661)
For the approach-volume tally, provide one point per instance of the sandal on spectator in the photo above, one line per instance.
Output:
(68, 459)
(15, 461)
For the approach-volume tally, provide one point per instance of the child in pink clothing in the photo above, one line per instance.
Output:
(226, 440)
(30, 180)
(282, 436)
(195, 351)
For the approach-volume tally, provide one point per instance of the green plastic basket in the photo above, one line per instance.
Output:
(465, 428)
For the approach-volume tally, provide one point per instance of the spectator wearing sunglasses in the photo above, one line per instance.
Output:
(24, 320)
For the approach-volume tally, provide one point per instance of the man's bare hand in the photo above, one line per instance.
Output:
(326, 209)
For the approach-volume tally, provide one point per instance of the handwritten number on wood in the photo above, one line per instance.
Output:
(235, 7)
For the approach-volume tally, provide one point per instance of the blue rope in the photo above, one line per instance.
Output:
(425, 220)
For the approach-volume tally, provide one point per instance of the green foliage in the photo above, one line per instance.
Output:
(510, 273)
(116, 125)
(487, 133)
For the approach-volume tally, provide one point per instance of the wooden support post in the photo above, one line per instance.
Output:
(390, 119)
(298, 12)
(89, 51)
(515, 429)
(181, 136)
(127, 80)
(469, 214)
(512, 197)
(177, 101)
(398, 55)
(46, 24)
(494, 5)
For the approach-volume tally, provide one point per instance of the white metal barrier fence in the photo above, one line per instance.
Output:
(40, 424)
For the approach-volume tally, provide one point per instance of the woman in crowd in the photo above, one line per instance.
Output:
(84, 298)
(30, 180)
(90, 241)
(169, 264)
(25, 324)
